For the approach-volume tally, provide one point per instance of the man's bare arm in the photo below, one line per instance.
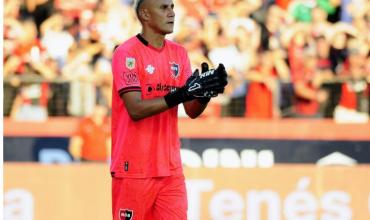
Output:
(138, 108)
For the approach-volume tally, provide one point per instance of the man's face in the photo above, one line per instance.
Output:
(162, 15)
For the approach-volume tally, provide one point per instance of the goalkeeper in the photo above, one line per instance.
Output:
(151, 77)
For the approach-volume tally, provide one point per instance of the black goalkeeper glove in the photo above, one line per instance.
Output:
(202, 86)
(214, 87)
(204, 100)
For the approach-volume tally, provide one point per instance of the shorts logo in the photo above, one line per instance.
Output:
(125, 214)
(175, 69)
(130, 63)
(130, 78)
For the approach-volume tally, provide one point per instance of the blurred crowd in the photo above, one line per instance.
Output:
(286, 58)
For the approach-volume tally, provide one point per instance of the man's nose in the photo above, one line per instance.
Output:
(171, 13)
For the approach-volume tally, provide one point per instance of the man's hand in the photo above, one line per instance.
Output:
(202, 86)
(207, 84)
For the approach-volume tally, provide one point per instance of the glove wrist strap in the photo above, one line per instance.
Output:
(174, 98)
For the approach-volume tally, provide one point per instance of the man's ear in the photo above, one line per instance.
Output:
(144, 14)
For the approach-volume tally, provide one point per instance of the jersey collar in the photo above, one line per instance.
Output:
(146, 43)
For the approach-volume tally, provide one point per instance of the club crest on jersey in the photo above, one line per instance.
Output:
(130, 63)
(125, 214)
(175, 69)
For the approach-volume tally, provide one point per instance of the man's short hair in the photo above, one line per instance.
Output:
(137, 5)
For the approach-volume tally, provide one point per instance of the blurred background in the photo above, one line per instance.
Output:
(289, 139)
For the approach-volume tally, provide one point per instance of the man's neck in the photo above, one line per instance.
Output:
(154, 39)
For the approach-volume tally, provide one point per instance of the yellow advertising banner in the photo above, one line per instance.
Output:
(281, 193)
(284, 192)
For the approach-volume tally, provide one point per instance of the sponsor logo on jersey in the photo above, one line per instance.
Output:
(159, 88)
(130, 63)
(149, 88)
(165, 88)
(175, 69)
(126, 214)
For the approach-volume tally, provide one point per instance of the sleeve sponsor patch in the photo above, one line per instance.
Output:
(130, 78)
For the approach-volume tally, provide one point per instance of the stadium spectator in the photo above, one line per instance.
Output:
(355, 90)
(29, 33)
(261, 87)
(320, 24)
(91, 141)
(24, 51)
(53, 34)
(190, 36)
(264, 88)
(309, 97)
(72, 8)
(339, 35)
(103, 76)
(39, 10)
(295, 39)
(195, 8)
(322, 46)
(272, 28)
(26, 68)
(30, 104)
(80, 73)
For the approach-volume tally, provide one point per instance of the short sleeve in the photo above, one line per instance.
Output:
(125, 72)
